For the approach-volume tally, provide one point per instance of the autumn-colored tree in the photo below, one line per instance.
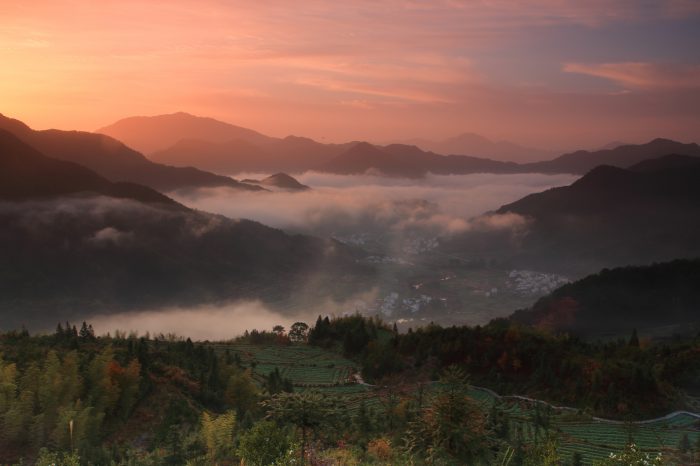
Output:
(452, 425)
(217, 434)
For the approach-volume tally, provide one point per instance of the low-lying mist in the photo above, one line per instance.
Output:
(198, 323)
(225, 320)
(339, 205)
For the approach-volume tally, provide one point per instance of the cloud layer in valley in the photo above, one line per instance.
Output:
(342, 205)
(221, 322)
(224, 321)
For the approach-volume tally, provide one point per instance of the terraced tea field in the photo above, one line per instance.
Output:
(591, 437)
(303, 365)
(312, 368)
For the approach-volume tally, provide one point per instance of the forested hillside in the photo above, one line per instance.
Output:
(74, 398)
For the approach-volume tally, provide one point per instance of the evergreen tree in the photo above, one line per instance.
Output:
(634, 339)
(307, 411)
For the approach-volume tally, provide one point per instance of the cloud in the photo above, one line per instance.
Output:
(284, 67)
(228, 320)
(642, 75)
(395, 210)
(110, 235)
(495, 222)
(220, 322)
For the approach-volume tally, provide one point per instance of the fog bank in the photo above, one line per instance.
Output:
(342, 205)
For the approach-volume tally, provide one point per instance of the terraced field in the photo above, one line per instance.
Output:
(312, 368)
(303, 365)
(594, 438)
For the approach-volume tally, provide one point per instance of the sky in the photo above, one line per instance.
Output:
(545, 73)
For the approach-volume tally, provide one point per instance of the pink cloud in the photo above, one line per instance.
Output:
(642, 75)
(311, 67)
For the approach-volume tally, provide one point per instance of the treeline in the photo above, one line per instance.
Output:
(622, 379)
(366, 339)
(75, 392)
(73, 398)
(63, 391)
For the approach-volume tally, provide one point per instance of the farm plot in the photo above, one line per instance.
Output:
(313, 368)
(595, 439)
(303, 365)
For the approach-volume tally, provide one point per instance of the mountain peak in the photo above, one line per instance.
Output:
(149, 134)
(279, 180)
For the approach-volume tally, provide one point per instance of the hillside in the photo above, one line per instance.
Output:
(609, 217)
(476, 145)
(73, 242)
(409, 161)
(291, 154)
(232, 156)
(149, 134)
(657, 300)
(87, 255)
(186, 140)
(163, 400)
(27, 174)
(623, 156)
(281, 181)
(112, 159)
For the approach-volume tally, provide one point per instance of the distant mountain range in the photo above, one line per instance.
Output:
(624, 156)
(113, 160)
(479, 146)
(409, 161)
(614, 302)
(186, 140)
(149, 134)
(647, 213)
(73, 242)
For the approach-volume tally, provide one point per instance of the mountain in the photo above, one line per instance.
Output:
(364, 157)
(659, 299)
(113, 160)
(184, 140)
(479, 146)
(279, 180)
(409, 161)
(293, 154)
(612, 145)
(624, 156)
(25, 173)
(609, 217)
(232, 156)
(74, 243)
(154, 133)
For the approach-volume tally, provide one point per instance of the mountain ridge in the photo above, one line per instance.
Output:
(609, 217)
(28, 174)
(239, 150)
(114, 160)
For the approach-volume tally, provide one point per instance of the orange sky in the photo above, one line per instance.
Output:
(549, 73)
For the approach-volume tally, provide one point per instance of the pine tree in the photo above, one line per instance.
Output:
(634, 339)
